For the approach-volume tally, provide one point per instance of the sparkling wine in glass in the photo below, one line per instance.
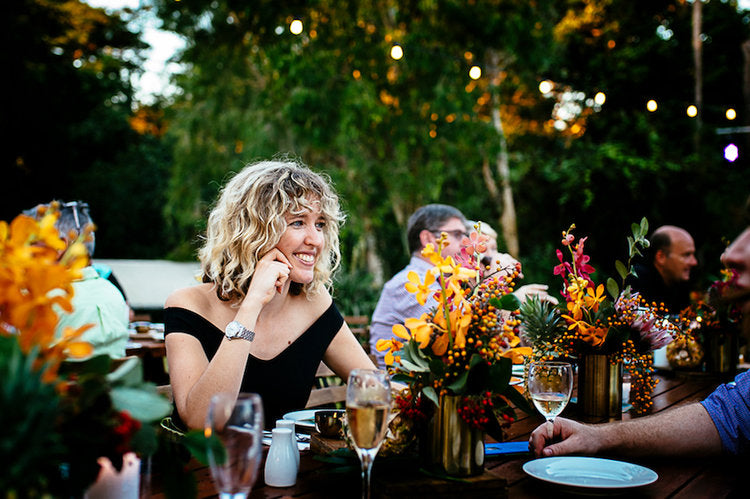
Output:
(550, 385)
(237, 424)
(368, 404)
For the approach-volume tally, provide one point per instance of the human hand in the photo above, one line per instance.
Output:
(271, 273)
(569, 437)
(539, 290)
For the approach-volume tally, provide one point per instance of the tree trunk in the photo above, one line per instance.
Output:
(698, 66)
(508, 212)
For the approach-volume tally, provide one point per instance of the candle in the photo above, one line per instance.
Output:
(110, 484)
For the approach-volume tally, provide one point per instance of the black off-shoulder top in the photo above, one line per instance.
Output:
(284, 382)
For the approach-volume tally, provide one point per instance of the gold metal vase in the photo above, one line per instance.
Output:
(452, 446)
(599, 387)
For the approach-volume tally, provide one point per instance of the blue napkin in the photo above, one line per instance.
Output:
(502, 448)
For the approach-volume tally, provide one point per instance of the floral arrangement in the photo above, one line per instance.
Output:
(709, 315)
(59, 417)
(622, 325)
(465, 345)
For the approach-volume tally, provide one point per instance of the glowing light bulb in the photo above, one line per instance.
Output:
(546, 86)
(731, 153)
(296, 27)
(651, 105)
(600, 98)
(731, 114)
(397, 52)
(475, 72)
(692, 111)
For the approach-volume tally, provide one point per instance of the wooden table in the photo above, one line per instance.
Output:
(715, 477)
(152, 353)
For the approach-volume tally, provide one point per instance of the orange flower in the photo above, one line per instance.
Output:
(422, 291)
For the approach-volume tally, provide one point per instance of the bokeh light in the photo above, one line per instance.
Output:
(475, 72)
(731, 114)
(651, 105)
(731, 153)
(397, 52)
(600, 98)
(295, 27)
(692, 111)
(546, 86)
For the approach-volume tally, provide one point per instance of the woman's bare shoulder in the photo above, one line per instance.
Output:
(195, 298)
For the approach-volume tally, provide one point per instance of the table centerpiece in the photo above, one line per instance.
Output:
(456, 359)
(59, 418)
(603, 334)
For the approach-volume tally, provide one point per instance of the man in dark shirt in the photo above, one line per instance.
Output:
(666, 279)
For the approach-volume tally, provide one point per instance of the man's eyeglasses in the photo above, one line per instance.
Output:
(455, 233)
(75, 206)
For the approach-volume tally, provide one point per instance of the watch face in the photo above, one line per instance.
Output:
(233, 329)
(236, 330)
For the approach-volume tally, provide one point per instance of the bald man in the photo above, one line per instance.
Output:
(666, 279)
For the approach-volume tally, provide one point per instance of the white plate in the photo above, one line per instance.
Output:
(302, 419)
(590, 472)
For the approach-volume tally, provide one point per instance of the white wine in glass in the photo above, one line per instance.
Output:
(550, 385)
(368, 404)
(238, 425)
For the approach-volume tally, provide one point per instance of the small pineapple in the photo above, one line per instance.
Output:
(541, 324)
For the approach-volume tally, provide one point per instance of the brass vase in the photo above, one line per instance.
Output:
(451, 446)
(599, 387)
(721, 351)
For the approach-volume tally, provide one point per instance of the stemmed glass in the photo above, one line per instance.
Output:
(368, 404)
(238, 425)
(550, 385)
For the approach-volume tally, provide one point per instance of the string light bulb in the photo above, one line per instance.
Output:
(295, 27)
(731, 114)
(600, 98)
(546, 86)
(651, 105)
(397, 52)
(692, 111)
(475, 72)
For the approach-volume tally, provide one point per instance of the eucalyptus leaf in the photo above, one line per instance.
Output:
(411, 366)
(621, 269)
(146, 407)
(430, 393)
(612, 288)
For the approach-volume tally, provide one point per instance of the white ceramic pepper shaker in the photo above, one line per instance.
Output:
(287, 423)
(281, 467)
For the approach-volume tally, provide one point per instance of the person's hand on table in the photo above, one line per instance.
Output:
(564, 437)
(539, 290)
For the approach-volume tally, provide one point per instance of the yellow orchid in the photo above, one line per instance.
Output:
(433, 256)
(421, 290)
(421, 330)
(392, 345)
(517, 355)
(594, 298)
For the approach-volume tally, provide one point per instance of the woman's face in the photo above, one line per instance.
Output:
(302, 243)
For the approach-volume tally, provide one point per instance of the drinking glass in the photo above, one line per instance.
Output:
(550, 385)
(237, 423)
(368, 404)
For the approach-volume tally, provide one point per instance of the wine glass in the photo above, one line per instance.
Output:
(237, 423)
(550, 385)
(368, 404)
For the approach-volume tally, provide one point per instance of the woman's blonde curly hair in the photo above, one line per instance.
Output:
(249, 219)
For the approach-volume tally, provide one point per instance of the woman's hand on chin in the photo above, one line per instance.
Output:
(271, 273)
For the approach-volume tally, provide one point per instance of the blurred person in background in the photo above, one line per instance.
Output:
(96, 300)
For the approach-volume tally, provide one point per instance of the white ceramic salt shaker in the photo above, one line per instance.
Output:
(287, 423)
(281, 467)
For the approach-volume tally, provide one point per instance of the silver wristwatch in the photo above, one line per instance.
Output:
(236, 330)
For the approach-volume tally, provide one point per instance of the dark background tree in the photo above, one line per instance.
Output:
(66, 123)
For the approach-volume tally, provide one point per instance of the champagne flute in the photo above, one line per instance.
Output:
(550, 385)
(368, 404)
(234, 458)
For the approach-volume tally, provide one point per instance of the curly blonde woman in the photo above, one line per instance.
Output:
(263, 318)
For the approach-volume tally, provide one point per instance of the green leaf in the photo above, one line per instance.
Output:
(402, 378)
(518, 400)
(636, 229)
(500, 373)
(458, 386)
(198, 445)
(430, 393)
(146, 407)
(612, 288)
(411, 366)
(621, 269)
(644, 227)
(129, 373)
(506, 302)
